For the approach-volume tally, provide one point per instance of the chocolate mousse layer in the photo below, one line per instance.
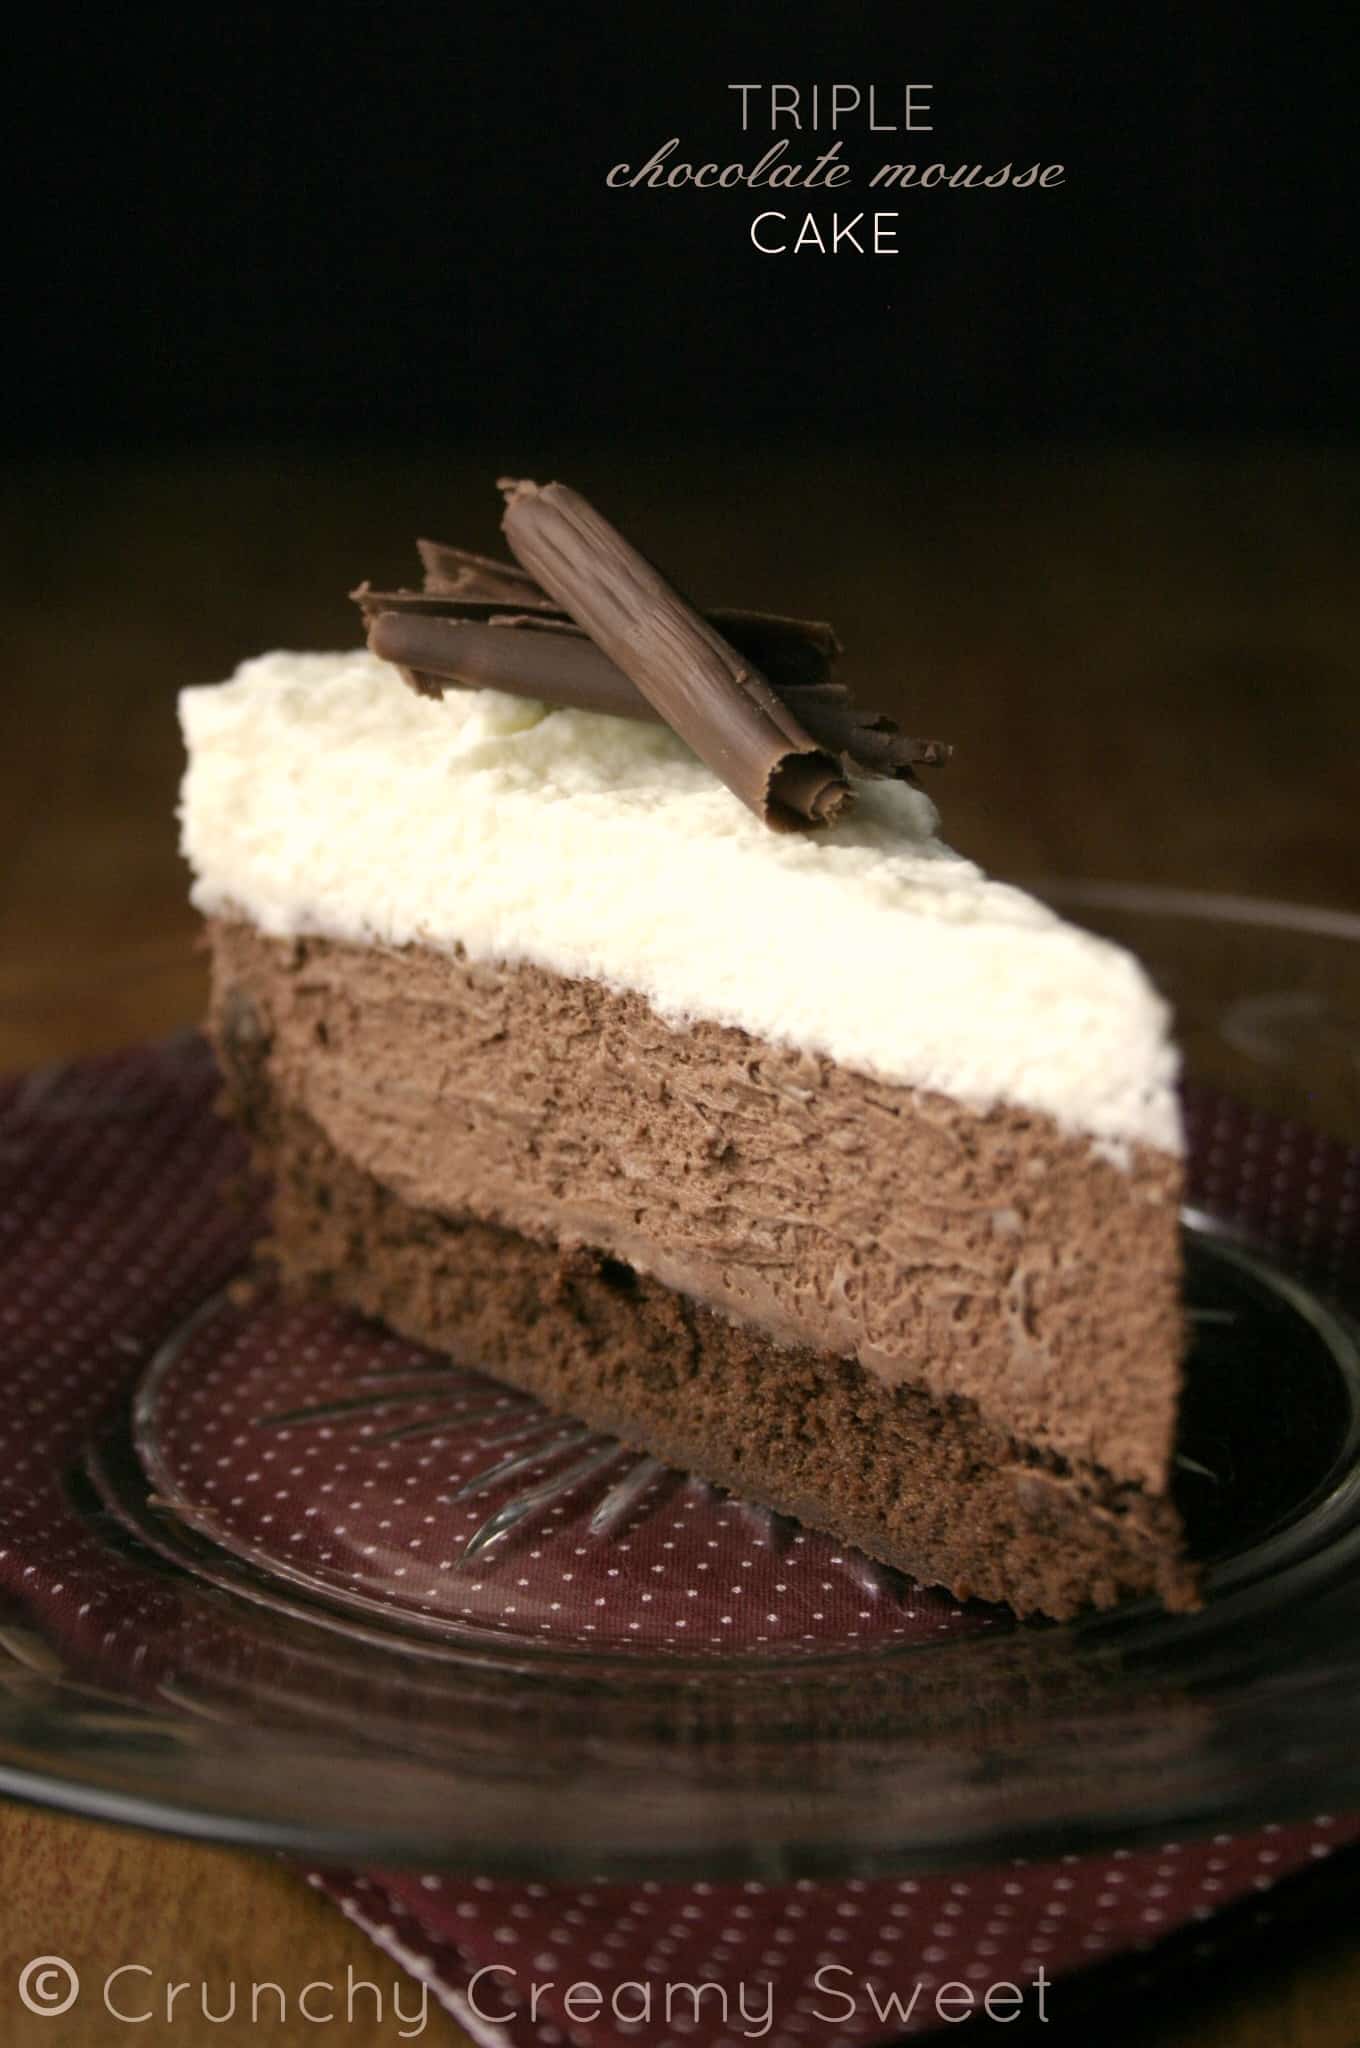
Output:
(968, 1282)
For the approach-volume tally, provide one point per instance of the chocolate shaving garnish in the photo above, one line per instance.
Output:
(442, 637)
(867, 740)
(787, 650)
(555, 662)
(556, 667)
(714, 697)
(428, 604)
(457, 572)
(793, 652)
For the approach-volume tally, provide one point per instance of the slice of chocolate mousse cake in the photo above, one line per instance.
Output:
(811, 1160)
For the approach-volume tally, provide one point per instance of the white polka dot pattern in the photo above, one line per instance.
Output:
(799, 1952)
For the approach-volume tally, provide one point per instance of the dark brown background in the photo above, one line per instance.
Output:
(1071, 475)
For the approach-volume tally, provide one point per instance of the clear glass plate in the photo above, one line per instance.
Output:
(489, 1639)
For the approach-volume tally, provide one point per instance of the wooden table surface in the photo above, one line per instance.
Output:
(1150, 661)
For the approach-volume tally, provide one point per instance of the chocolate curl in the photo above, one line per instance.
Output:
(787, 650)
(457, 572)
(433, 605)
(791, 653)
(440, 637)
(555, 667)
(868, 741)
(717, 701)
(544, 658)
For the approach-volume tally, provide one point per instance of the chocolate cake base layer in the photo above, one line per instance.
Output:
(921, 1483)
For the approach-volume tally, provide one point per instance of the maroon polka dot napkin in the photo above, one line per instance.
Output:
(120, 1213)
(807, 1964)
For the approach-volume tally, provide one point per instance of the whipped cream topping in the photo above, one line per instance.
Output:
(323, 796)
